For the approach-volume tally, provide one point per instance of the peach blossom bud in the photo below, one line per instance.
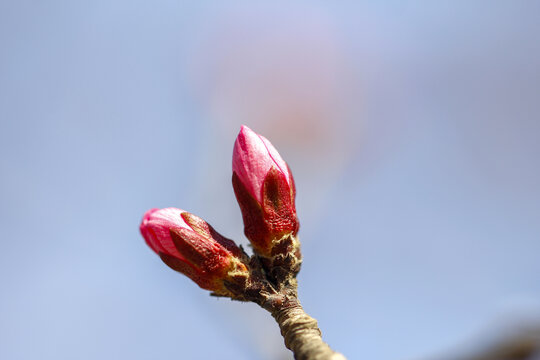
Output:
(264, 187)
(188, 244)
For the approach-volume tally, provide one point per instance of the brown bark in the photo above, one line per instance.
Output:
(302, 334)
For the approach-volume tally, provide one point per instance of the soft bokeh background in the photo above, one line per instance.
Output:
(412, 128)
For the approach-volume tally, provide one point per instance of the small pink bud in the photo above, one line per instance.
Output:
(264, 187)
(188, 244)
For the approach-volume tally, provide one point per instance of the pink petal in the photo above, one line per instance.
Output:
(253, 157)
(155, 228)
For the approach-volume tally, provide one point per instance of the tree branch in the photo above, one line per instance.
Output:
(301, 333)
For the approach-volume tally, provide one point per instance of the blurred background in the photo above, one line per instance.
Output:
(412, 129)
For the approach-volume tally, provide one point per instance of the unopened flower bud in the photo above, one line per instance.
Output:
(264, 187)
(188, 244)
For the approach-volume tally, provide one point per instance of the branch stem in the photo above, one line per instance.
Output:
(302, 334)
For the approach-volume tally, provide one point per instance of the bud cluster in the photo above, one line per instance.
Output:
(264, 187)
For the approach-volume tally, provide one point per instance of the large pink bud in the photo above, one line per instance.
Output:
(264, 187)
(188, 244)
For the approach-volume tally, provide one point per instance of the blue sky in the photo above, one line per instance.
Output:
(411, 128)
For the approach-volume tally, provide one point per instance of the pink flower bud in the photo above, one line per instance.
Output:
(264, 187)
(188, 244)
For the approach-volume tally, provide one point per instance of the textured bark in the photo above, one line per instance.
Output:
(302, 334)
